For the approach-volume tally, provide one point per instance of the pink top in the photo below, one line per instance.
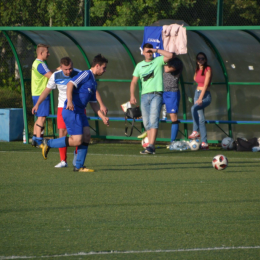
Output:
(201, 79)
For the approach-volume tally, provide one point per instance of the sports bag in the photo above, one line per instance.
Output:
(133, 113)
(242, 145)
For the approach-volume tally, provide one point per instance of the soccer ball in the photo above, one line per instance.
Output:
(145, 142)
(194, 144)
(220, 162)
(227, 143)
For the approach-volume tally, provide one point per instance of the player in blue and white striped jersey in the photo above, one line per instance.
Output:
(81, 90)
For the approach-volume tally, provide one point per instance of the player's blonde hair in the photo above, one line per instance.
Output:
(40, 46)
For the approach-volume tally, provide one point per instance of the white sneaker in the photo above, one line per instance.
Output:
(74, 159)
(62, 164)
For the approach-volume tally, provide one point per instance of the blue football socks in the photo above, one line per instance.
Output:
(38, 140)
(57, 143)
(174, 131)
(81, 156)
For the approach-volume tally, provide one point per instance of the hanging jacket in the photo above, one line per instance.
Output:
(174, 38)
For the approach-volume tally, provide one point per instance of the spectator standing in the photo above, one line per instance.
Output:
(202, 99)
(150, 71)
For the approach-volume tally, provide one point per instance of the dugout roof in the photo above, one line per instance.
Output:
(233, 53)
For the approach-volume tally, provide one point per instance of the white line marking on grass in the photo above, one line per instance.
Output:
(133, 252)
(143, 156)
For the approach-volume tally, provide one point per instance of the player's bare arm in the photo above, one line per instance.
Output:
(103, 108)
(48, 74)
(70, 87)
(166, 54)
(96, 109)
(132, 90)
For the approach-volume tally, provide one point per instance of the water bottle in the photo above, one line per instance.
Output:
(24, 136)
(179, 146)
(164, 112)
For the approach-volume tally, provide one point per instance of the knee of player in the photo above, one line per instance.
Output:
(86, 138)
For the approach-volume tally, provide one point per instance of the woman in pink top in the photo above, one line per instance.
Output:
(202, 99)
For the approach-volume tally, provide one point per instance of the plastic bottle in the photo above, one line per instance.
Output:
(24, 136)
(164, 112)
(179, 146)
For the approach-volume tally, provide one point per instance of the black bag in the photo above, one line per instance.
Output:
(132, 113)
(242, 145)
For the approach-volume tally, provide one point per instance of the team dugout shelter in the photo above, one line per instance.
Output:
(232, 52)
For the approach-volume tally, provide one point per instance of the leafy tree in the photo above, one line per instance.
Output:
(241, 12)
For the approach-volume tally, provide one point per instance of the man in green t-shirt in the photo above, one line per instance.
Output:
(40, 77)
(150, 72)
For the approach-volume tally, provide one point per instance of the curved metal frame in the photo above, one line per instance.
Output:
(132, 59)
(252, 34)
(78, 45)
(51, 94)
(22, 84)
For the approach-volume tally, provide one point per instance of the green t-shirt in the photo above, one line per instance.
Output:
(150, 74)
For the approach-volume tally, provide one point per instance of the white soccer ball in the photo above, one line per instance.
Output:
(194, 144)
(145, 142)
(220, 162)
(227, 143)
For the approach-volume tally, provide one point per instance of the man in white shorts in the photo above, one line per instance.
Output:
(60, 79)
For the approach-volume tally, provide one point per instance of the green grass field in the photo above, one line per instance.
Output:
(172, 205)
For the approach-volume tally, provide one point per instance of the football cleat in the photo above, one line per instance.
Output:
(204, 146)
(45, 149)
(33, 143)
(194, 135)
(62, 164)
(83, 169)
(148, 150)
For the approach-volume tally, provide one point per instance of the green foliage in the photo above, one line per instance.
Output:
(246, 12)
(125, 12)
(42, 13)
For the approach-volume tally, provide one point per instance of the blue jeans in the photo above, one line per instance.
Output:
(151, 105)
(198, 117)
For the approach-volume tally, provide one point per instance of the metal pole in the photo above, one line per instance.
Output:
(87, 13)
(220, 13)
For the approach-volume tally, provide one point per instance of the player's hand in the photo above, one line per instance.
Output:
(34, 109)
(104, 110)
(133, 100)
(105, 120)
(70, 106)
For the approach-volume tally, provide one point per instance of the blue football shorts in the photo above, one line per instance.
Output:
(44, 107)
(74, 122)
(172, 101)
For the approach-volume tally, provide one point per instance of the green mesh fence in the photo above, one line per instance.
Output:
(127, 13)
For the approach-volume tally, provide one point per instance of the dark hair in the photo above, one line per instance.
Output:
(99, 59)
(147, 45)
(65, 61)
(205, 65)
